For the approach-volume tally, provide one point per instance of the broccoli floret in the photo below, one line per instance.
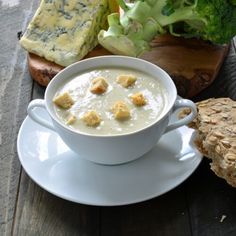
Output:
(233, 2)
(213, 20)
(131, 32)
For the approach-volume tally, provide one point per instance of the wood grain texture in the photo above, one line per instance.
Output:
(234, 45)
(192, 64)
(149, 218)
(209, 198)
(42, 70)
(41, 213)
(15, 92)
(194, 208)
(225, 83)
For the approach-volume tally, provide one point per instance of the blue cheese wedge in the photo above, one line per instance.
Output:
(64, 31)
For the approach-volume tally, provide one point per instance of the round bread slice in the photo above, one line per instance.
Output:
(216, 125)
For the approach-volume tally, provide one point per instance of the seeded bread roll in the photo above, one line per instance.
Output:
(216, 124)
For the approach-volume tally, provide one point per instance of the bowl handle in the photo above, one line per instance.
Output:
(35, 116)
(183, 103)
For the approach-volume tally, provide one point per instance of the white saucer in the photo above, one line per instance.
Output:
(49, 162)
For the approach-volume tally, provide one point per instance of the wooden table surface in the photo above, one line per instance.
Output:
(195, 207)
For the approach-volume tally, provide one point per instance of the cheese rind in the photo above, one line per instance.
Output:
(64, 31)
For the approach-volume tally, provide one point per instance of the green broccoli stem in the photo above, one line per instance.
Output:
(114, 25)
(181, 14)
(123, 5)
(130, 33)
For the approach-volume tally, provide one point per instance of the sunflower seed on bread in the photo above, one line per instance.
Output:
(216, 125)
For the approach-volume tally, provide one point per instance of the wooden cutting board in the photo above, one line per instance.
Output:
(193, 64)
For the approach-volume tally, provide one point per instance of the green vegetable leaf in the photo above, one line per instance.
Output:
(131, 32)
(168, 9)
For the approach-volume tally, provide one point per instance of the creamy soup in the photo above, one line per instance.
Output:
(79, 90)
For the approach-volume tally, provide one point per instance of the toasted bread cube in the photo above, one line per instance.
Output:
(126, 80)
(92, 118)
(120, 111)
(99, 85)
(138, 99)
(64, 100)
(71, 120)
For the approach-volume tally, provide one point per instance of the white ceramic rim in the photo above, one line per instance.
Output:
(163, 77)
(185, 132)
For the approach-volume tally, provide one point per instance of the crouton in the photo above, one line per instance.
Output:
(99, 85)
(121, 111)
(64, 100)
(126, 80)
(91, 118)
(138, 99)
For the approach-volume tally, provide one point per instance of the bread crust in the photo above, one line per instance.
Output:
(216, 125)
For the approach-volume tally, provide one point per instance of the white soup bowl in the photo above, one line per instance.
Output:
(113, 149)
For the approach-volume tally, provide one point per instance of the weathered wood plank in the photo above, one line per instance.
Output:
(165, 215)
(209, 199)
(41, 213)
(15, 91)
(148, 218)
(232, 47)
(225, 84)
(234, 44)
(192, 64)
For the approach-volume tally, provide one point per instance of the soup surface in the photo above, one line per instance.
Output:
(79, 89)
